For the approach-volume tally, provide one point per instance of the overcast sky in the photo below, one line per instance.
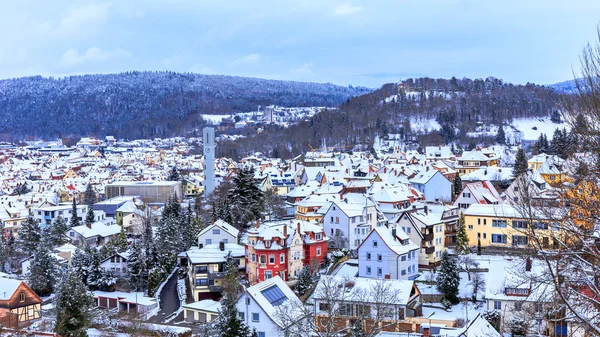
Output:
(358, 42)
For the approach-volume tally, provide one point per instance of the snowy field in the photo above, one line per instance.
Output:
(543, 125)
(424, 125)
(215, 119)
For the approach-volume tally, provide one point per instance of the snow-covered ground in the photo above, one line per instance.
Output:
(543, 125)
(215, 119)
(424, 125)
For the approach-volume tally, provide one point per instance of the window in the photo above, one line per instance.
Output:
(331, 219)
(498, 238)
(241, 315)
(497, 305)
(318, 251)
(272, 259)
(552, 177)
(323, 306)
(368, 256)
(208, 241)
(318, 236)
(466, 195)
(368, 270)
(539, 307)
(403, 258)
(263, 259)
(478, 221)
(403, 272)
(22, 297)
(337, 219)
(379, 258)
(519, 224)
(374, 243)
(540, 225)
(484, 222)
(470, 226)
(282, 258)
(519, 240)
(201, 269)
(408, 230)
(216, 231)
(499, 223)
(268, 274)
(201, 282)
(485, 235)
(261, 334)
(255, 317)
(379, 272)
(353, 219)
(247, 301)
(72, 234)
(361, 218)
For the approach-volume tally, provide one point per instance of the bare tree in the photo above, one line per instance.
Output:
(339, 305)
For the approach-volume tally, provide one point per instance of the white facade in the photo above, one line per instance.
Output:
(46, 215)
(116, 264)
(220, 231)
(352, 221)
(382, 256)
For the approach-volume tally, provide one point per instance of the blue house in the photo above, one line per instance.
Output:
(433, 184)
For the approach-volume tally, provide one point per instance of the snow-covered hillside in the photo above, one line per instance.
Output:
(532, 128)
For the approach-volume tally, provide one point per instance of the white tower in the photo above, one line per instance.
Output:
(209, 160)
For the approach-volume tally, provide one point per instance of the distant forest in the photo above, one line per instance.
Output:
(458, 105)
(144, 104)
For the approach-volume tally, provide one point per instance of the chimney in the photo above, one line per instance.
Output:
(394, 233)
(200, 245)
(341, 196)
(257, 224)
(426, 168)
(425, 209)
(285, 235)
(222, 246)
(298, 228)
(88, 225)
(385, 170)
(281, 173)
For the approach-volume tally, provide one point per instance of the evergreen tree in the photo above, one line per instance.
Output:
(80, 263)
(90, 218)
(555, 117)
(478, 247)
(4, 248)
(501, 136)
(138, 273)
(30, 235)
(174, 174)
(21, 189)
(43, 271)
(462, 239)
(230, 324)
(448, 278)
(98, 278)
(74, 305)
(305, 281)
(457, 185)
(117, 245)
(89, 196)
(74, 220)
(520, 166)
(247, 200)
(56, 233)
(194, 227)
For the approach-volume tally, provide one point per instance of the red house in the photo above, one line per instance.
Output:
(283, 248)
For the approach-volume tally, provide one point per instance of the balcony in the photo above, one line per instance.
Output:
(429, 250)
(216, 275)
(428, 237)
(215, 288)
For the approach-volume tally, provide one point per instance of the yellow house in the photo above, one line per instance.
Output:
(582, 202)
(471, 161)
(554, 171)
(536, 161)
(70, 174)
(503, 226)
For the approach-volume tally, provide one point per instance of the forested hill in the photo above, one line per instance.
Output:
(457, 106)
(144, 104)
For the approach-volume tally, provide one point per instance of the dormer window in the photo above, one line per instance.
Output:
(318, 236)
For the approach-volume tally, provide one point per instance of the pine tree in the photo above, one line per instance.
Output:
(74, 220)
(74, 305)
(230, 324)
(501, 136)
(520, 166)
(305, 281)
(457, 185)
(247, 200)
(117, 245)
(462, 239)
(4, 248)
(174, 174)
(30, 235)
(478, 246)
(56, 233)
(138, 273)
(98, 278)
(80, 263)
(448, 278)
(90, 218)
(43, 271)
(89, 196)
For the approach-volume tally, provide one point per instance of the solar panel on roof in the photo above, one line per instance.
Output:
(274, 295)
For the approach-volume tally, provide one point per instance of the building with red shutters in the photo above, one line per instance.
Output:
(283, 248)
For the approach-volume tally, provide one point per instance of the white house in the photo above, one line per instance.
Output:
(220, 231)
(95, 234)
(117, 263)
(47, 214)
(348, 221)
(388, 253)
(482, 192)
(433, 184)
(258, 304)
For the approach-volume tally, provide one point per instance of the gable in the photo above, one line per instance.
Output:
(30, 296)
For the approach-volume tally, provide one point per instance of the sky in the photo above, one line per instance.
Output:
(366, 43)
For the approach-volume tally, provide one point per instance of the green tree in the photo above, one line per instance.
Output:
(305, 281)
(501, 136)
(462, 239)
(230, 324)
(90, 218)
(56, 233)
(520, 166)
(246, 198)
(4, 247)
(448, 278)
(457, 184)
(137, 266)
(174, 174)
(74, 219)
(30, 235)
(89, 196)
(43, 271)
(74, 305)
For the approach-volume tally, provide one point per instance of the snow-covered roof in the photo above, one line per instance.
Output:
(204, 305)
(8, 288)
(363, 286)
(212, 253)
(394, 243)
(261, 293)
(97, 229)
(222, 225)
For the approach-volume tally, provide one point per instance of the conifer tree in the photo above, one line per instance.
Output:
(89, 196)
(501, 136)
(457, 184)
(462, 239)
(174, 174)
(520, 166)
(43, 271)
(74, 305)
(247, 200)
(89, 216)
(74, 220)
(57, 232)
(98, 278)
(80, 263)
(4, 248)
(230, 324)
(448, 278)
(305, 281)
(138, 272)
(30, 235)
(118, 244)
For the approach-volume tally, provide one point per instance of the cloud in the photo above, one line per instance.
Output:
(346, 9)
(81, 19)
(248, 60)
(72, 58)
(303, 72)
